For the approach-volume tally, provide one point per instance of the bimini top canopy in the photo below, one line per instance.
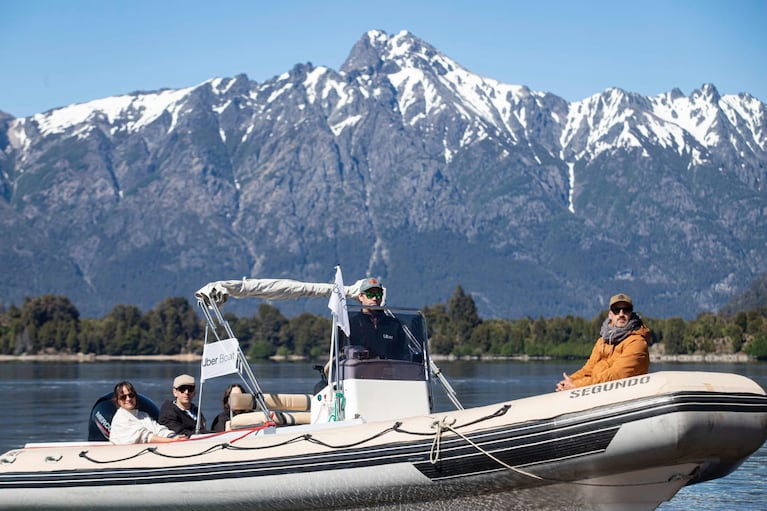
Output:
(271, 289)
(214, 294)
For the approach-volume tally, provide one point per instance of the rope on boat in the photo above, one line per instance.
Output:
(154, 450)
(434, 455)
(313, 440)
(443, 425)
(227, 445)
(309, 438)
(339, 403)
(84, 454)
(436, 445)
(501, 411)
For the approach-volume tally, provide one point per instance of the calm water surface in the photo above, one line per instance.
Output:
(43, 401)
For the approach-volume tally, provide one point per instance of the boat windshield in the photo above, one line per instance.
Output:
(385, 333)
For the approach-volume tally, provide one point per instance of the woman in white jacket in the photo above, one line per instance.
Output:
(132, 426)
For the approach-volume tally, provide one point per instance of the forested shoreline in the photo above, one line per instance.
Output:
(50, 325)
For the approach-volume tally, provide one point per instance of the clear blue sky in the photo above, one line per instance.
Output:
(54, 53)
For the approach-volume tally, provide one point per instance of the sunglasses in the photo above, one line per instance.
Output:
(129, 395)
(185, 388)
(374, 294)
(617, 310)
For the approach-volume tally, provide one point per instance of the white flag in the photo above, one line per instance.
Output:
(337, 302)
(219, 358)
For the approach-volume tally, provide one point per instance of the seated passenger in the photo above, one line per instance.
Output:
(382, 335)
(622, 349)
(219, 422)
(132, 426)
(180, 415)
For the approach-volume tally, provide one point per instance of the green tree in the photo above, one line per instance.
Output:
(270, 325)
(174, 326)
(437, 323)
(519, 332)
(734, 334)
(115, 327)
(673, 336)
(308, 334)
(50, 319)
(489, 337)
(261, 350)
(535, 344)
(756, 323)
(462, 319)
(757, 347)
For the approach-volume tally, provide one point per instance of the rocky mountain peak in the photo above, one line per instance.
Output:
(707, 93)
(403, 165)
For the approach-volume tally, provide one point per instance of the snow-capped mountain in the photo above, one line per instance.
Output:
(402, 164)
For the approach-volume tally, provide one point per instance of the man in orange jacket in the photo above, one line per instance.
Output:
(621, 350)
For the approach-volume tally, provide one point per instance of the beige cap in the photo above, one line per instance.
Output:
(620, 297)
(183, 379)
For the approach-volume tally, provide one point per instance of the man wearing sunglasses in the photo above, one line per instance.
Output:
(382, 335)
(180, 415)
(621, 350)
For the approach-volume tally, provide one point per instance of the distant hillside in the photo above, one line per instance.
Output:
(753, 298)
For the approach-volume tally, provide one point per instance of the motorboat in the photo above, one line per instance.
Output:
(368, 436)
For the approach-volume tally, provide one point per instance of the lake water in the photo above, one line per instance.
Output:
(44, 401)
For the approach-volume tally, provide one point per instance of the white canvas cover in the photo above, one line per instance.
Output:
(271, 289)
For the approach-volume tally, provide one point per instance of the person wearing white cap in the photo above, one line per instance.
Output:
(180, 415)
(381, 334)
(622, 349)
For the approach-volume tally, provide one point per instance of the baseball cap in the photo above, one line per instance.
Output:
(370, 283)
(621, 297)
(183, 379)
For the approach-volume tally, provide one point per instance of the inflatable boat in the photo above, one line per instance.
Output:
(368, 438)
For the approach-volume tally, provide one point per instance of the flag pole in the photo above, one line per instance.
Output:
(337, 304)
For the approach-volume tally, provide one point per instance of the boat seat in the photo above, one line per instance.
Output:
(289, 402)
(246, 420)
(287, 418)
(285, 410)
(258, 418)
(239, 403)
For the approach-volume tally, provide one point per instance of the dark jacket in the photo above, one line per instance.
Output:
(219, 422)
(180, 421)
(382, 335)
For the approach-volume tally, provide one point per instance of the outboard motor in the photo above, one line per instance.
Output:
(103, 411)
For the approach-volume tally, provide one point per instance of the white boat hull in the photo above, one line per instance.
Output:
(631, 445)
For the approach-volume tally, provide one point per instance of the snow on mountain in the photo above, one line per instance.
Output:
(428, 82)
(426, 79)
(133, 111)
(421, 152)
